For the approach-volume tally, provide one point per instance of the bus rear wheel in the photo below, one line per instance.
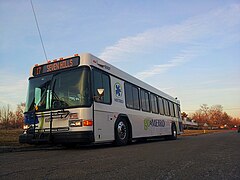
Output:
(173, 136)
(121, 132)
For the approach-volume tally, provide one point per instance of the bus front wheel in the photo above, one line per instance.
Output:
(121, 132)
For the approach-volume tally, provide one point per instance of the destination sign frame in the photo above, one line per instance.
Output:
(56, 66)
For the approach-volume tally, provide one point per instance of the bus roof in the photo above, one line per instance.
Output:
(103, 65)
(91, 60)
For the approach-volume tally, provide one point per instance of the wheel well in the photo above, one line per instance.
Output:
(174, 124)
(125, 117)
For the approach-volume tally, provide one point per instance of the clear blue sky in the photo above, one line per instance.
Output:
(188, 49)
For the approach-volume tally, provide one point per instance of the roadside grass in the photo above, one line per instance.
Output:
(9, 137)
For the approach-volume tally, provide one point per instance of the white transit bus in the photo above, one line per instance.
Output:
(83, 99)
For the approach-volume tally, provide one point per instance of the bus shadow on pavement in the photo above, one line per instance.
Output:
(139, 141)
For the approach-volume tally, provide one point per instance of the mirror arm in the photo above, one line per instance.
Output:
(97, 98)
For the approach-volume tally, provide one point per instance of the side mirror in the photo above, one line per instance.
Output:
(100, 92)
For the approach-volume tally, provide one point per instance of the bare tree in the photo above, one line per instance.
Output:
(202, 114)
(19, 116)
(5, 111)
(213, 116)
(11, 119)
(204, 109)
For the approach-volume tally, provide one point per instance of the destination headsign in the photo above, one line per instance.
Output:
(55, 66)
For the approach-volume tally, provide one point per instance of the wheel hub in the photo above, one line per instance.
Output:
(122, 130)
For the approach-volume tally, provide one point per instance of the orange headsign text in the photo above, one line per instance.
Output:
(55, 66)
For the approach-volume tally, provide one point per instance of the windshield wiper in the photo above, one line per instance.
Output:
(56, 101)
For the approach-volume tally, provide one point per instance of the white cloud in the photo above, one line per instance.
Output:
(221, 24)
(184, 56)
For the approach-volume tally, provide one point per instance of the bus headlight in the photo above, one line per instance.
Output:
(25, 126)
(75, 123)
(73, 116)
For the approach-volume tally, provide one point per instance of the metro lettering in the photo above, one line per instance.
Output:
(153, 123)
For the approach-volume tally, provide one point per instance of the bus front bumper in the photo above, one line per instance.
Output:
(63, 137)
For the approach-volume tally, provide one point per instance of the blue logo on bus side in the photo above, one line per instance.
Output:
(118, 89)
(118, 92)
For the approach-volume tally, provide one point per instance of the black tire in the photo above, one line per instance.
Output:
(121, 132)
(69, 145)
(173, 136)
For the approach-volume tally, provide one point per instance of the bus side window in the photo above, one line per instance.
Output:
(176, 110)
(154, 103)
(102, 81)
(129, 95)
(136, 104)
(132, 96)
(171, 108)
(161, 107)
(145, 101)
(166, 107)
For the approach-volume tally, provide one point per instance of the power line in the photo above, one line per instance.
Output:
(39, 31)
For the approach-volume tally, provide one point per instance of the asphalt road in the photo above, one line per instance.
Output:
(211, 156)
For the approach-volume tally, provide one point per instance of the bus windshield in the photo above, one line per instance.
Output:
(60, 90)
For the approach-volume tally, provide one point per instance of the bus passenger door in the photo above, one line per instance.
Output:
(103, 123)
(103, 117)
